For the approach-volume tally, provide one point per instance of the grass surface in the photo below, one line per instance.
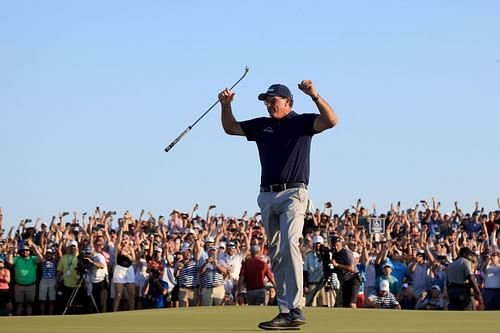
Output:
(245, 319)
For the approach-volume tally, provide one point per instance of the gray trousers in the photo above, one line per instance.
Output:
(283, 219)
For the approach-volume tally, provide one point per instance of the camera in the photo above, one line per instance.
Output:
(65, 214)
(155, 274)
(83, 263)
(329, 276)
(112, 213)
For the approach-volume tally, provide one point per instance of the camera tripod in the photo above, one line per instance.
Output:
(330, 283)
(72, 297)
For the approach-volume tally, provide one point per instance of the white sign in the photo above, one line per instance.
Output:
(377, 225)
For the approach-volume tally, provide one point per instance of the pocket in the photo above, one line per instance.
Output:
(301, 195)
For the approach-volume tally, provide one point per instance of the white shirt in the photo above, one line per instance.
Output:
(491, 276)
(98, 274)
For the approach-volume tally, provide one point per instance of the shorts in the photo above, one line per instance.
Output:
(4, 297)
(123, 274)
(188, 296)
(175, 294)
(212, 296)
(47, 290)
(24, 294)
(350, 290)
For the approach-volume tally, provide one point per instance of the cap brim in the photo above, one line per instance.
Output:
(262, 97)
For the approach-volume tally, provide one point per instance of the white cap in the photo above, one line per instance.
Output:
(72, 243)
(384, 285)
(318, 239)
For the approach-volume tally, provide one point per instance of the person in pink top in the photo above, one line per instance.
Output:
(5, 303)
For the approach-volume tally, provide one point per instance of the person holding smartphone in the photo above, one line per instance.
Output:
(212, 274)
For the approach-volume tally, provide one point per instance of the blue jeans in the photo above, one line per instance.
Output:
(283, 219)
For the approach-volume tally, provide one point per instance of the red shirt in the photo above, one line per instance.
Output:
(253, 271)
(155, 264)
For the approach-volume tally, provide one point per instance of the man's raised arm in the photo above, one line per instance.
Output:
(327, 117)
(229, 123)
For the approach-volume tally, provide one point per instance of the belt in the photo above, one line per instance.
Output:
(282, 187)
(184, 287)
(458, 285)
(220, 285)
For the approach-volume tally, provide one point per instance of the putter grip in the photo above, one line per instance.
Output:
(170, 146)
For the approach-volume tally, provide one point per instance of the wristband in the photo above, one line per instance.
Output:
(315, 98)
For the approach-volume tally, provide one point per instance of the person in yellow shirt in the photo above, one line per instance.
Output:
(67, 276)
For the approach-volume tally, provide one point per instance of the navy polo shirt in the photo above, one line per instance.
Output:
(284, 146)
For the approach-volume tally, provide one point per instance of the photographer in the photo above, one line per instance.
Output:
(344, 266)
(155, 290)
(313, 276)
(67, 274)
(98, 276)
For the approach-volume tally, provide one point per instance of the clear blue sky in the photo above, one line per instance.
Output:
(92, 91)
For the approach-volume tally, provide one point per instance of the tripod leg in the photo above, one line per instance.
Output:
(71, 298)
(314, 292)
(94, 302)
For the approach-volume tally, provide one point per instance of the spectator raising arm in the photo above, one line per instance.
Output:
(1, 221)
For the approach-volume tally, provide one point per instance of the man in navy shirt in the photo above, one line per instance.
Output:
(283, 141)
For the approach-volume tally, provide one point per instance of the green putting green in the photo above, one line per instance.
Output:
(245, 319)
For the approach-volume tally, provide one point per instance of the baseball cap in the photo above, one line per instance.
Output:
(337, 238)
(420, 252)
(318, 239)
(276, 90)
(158, 250)
(49, 251)
(211, 248)
(404, 285)
(2, 259)
(72, 243)
(210, 240)
(384, 285)
(387, 264)
(231, 245)
(222, 245)
(436, 287)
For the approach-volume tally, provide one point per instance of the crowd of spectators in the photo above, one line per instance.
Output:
(100, 262)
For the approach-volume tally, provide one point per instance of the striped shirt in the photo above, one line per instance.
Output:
(388, 301)
(188, 275)
(49, 269)
(211, 277)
